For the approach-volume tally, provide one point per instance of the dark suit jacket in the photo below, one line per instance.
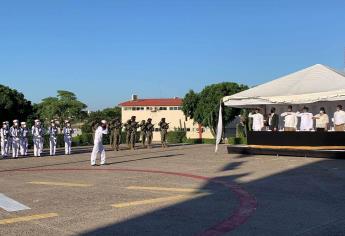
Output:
(274, 122)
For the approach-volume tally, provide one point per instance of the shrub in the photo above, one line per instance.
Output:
(235, 141)
(176, 136)
(201, 141)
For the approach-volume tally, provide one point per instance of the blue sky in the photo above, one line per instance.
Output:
(104, 50)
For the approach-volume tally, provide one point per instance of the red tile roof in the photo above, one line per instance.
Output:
(153, 102)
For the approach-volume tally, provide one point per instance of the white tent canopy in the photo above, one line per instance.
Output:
(318, 85)
(313, 84)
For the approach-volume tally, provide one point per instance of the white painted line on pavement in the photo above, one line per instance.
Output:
(10, 205)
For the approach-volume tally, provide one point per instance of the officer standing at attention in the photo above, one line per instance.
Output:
(339, 119)
(15, 137)
(67, 133)
(149, 132)
(128, 133)
(164, 132)
(143, 132)
(257, 120)
(322, 120)
(290, 120)
(5, 136)
(134, 127)
(37, 132)
(307, 122)
(98, 143)
(117, 126)
(53, 132)
(24, 133)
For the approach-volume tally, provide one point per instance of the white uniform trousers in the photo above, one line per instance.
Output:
(98, 148)
(24, 146)
(15, 147)
(52, 145)
(68, 145)
(4, 147)
(38, 146)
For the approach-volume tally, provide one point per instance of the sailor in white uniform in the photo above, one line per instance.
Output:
(5, 136)
(15, 138)
(98, 143)
(53, 132)
(67, 133)
(24, 133)
(37, 132)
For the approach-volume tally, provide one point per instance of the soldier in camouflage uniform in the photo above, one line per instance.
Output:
(142, 126)
(149, 132)
(128, 133)
(117, 125)
(164, 132)
(134, 127)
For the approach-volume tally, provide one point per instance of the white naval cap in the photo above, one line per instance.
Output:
(66, 121)
(23, 123)
(104, 122)
(15, 121)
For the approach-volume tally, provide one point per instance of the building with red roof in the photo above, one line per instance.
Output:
(157, 108)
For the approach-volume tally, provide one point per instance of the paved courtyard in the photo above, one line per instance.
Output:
(183, 190)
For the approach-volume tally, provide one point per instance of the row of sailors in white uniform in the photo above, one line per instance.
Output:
(307, 120)
(16, 137)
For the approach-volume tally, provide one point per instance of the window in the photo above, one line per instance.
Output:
(142, 108)
(163, 108)
(171, 108)
(179, 108)
(188, 129)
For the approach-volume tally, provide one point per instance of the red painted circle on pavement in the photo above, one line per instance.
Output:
(246, 208)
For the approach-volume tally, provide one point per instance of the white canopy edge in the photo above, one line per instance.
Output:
(236, 101)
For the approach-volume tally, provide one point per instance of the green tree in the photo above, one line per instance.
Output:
(204, 106)
(96, 117)
(64, 106)
(190, 103)
(13, 105)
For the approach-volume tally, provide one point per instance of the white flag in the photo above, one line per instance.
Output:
(219, 127)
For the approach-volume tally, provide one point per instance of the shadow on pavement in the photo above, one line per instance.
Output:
(306, 200)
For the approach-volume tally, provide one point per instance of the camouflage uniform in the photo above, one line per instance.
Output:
(134, 126)
(149, 132)
(164, 132)
(128, 130)
(117, 134)
(143, 132)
